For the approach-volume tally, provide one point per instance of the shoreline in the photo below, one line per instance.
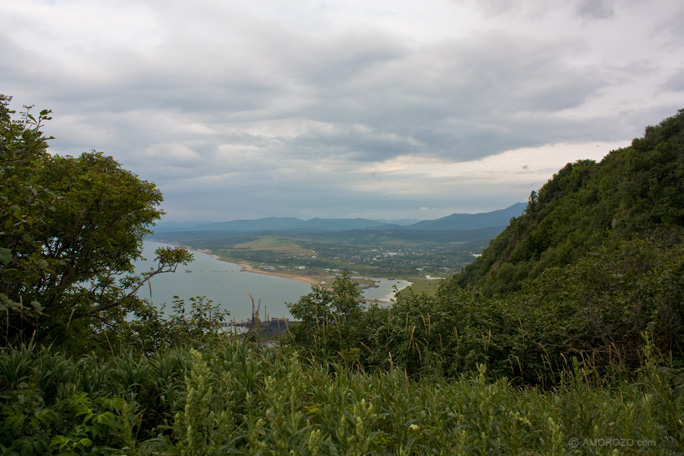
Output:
(246, 267)
(249, 268)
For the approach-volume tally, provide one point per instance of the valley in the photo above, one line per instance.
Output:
(317, 252)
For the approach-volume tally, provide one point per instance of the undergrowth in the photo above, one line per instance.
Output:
(238, 398)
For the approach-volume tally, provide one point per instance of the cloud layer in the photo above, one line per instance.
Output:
(245, 109)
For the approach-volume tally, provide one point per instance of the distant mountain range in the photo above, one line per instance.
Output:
(454, 222)
(463, 222)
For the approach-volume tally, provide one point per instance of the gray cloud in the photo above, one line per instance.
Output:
(675, 82)
(595, 9)
(238, 112)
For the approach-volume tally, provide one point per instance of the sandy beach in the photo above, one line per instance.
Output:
(245, 267)
(249, 268)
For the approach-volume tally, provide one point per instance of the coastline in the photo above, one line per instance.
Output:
(369, 294)
(246, 267)
(249, 268)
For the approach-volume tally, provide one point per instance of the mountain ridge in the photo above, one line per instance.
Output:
(453, 222)
(466, 222)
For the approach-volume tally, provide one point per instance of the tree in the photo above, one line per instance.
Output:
(70, 229)
(330, 319)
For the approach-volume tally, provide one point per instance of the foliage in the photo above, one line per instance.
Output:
(69, 231)
(329, 320)
(239, 398)
(635, 191)
(593, 311)
(578, 278)
(200, 325)
(564, 338)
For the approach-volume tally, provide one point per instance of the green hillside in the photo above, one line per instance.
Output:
(633, 192)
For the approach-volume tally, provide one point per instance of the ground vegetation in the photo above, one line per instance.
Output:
(564, 337)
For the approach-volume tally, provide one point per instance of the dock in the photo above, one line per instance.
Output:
(269, 328)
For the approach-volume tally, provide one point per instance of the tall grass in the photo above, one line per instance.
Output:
(243, 399)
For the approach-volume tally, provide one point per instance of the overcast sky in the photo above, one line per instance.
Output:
(344, 108)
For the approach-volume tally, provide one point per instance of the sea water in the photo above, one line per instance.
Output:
(222, 282)
(383, 290)
(227, 285)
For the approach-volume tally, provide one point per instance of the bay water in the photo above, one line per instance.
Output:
(222, 282)
(226, 284)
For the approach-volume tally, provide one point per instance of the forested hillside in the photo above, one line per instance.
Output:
(633, 192)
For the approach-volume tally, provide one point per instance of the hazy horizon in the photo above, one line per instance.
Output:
(166, 220)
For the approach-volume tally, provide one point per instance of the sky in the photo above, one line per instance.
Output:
(382, 109)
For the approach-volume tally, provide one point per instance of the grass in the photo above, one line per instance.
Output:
(236, 398)
(422, 285)
(275, 244)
